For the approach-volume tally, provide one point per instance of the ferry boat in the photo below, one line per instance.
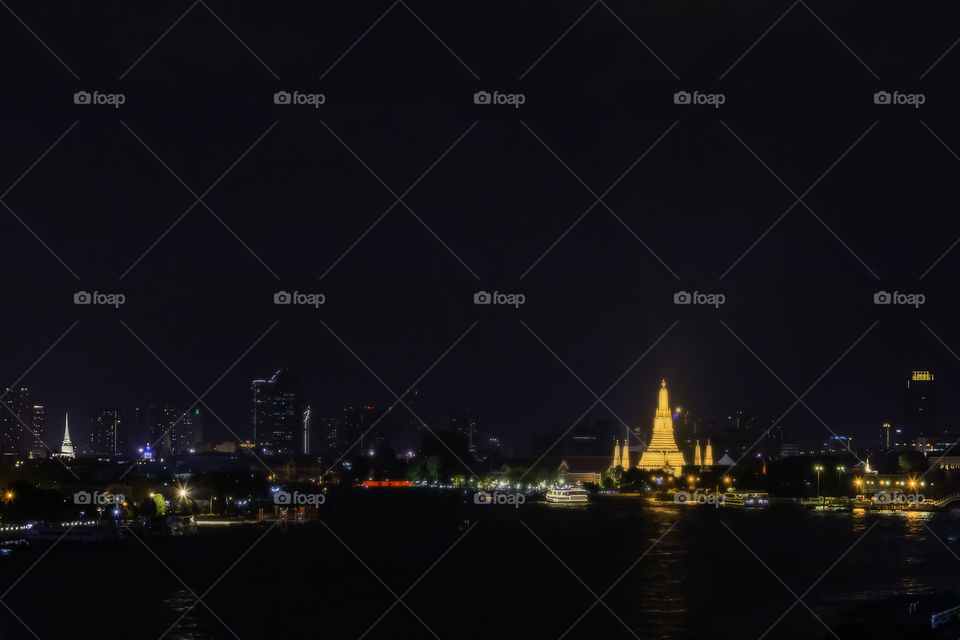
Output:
(568, 495)
(752, 499)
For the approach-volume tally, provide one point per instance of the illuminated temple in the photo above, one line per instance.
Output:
(663, 452)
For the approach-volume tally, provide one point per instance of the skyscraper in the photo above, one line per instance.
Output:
(278, 413)
(366, 427)
(155, 426)
(919, 405)
(37, 425)
(16, 420)
(886, 436)
(105, 431)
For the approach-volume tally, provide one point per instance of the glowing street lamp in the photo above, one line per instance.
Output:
(818, 468)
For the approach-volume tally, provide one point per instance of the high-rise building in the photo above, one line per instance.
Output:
(16, 419)
(307, 437)
(37, 424)
(919, 405)
(466, 424)
(106, 427)
(155, 424)
(278, 413)
(886, 437)
(366, 426)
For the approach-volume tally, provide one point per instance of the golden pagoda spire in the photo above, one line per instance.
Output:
(625, 455)
(708, 455)
(616, 454)
(697, 458)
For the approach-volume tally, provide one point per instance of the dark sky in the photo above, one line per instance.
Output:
(800, 298)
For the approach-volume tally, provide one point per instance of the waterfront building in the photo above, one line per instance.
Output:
(662, 452)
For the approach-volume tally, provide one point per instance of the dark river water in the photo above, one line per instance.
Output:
(535, 571)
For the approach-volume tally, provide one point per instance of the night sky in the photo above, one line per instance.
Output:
(697, 185)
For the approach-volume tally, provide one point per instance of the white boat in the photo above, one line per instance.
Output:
(570, 494)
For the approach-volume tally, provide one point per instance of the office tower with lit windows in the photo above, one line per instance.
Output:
(186, 433)
(37, 424)
(106, 427)
(277, 413)
(363, 430)
(16, 420)
(886, 437)
(154, 425)
(466, 424)
(919, 406)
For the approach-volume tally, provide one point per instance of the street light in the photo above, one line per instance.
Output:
(818, 468)
(840, 469)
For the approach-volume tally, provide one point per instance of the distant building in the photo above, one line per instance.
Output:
(662, 452)
(466, 424)
(278, 413)
(363, 429)
(105, 431)
(16, 423)
(919, 405)
(886, 437)
(37, 424)
(66, 446)
(155, 424)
